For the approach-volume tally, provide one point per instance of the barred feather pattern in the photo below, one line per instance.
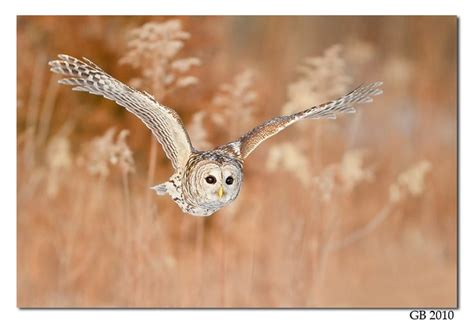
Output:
(249, 141)
(165, 123)
(204, 181)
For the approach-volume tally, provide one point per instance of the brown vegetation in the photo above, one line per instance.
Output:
(354, 212)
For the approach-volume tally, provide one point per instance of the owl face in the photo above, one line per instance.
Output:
(214, 183)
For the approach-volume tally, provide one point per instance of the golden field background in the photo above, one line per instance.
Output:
(355, 212)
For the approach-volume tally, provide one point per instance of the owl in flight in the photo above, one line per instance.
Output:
(204, 181)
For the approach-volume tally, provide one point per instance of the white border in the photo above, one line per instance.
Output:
(241, 7)
(9, 313)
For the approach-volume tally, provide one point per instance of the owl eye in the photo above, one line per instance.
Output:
(229, 180)
(210, 179)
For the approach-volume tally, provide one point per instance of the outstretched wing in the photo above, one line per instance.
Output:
(248, 142)
(165, 123)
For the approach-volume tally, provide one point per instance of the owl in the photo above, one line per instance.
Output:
(203, 181)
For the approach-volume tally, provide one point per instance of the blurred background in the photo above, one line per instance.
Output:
(355, 212)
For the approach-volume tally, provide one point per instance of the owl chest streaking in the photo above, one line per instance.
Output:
(204, 181)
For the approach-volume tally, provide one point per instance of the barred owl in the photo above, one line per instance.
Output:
(203, 181)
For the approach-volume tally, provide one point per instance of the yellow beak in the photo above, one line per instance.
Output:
(220, 192)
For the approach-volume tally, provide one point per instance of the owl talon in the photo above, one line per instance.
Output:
(161, 189)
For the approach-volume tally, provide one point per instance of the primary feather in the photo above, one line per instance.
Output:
(165, 123)
(363, 94)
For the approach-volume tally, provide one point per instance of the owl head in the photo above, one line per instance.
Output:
(213, 180)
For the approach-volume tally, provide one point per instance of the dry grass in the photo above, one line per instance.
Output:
(360, 211)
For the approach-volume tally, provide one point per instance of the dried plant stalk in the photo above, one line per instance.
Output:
(236, 101)
(322, 78)
(47, 111)
(59, 161)
(197, 131)
(153, 48)
(33, 111)
(289, 157)
(103, 151)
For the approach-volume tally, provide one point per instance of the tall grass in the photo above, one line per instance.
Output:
(359, 211)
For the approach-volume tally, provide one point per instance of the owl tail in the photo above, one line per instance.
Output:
(161, 189)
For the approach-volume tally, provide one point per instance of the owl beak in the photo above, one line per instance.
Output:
(220, 192)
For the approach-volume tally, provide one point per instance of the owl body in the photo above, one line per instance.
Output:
(211, 180)
(204, 181)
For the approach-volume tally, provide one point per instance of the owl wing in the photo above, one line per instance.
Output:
(165, 123)
(249, 141)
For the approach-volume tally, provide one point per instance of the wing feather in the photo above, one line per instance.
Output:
(363, 94)
(165, 123)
